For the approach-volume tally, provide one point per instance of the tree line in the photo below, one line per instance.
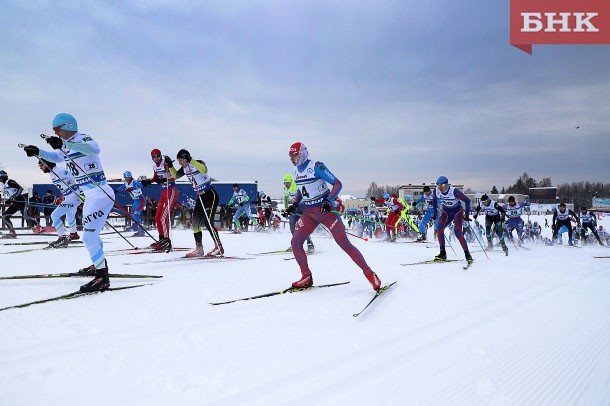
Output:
(580, 193)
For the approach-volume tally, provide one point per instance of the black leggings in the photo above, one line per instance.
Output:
(209, 198)
(19, 204)
(559, 224)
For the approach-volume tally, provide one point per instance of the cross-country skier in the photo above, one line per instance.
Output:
(515, 222)
(588, 221)
(561, 217)
(451, 198)
(81, 154)
(368, 218)
(290, 196)
(313, 194)
(64, 182)
(169, 196)
(134, 188)
(205, 205)
(494, 221)
(536, 230)
(16, 200)
(426, 198)
(395, 208)
(241, 198)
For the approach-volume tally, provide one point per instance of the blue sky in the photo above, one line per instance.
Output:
(394, 92)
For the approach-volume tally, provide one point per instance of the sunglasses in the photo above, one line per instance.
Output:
(156, 156)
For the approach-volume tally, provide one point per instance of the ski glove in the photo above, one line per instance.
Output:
(326, 207)
(145, 182)
(467, 217)
(168, 161)
(31, 150)
(55, 142)
(291, 209)
(242, 204)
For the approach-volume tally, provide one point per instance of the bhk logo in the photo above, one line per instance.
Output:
(559, 22)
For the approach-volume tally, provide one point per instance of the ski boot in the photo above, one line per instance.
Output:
(374, 280)
(87, 271)
(164, 244)
(101, 282)
(504, 247)
(469, 259)
(37, 229)
(310, 247)
(197, 252)
(74, 236)
(139, 232)
(289, 249)
(155, 245)
(218, 251)
(305, 282)
(62, 242)
(442, 255)
(490, 245)
(11, 234)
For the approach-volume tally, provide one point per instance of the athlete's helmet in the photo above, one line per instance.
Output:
(65, 121)
(535, 223)
(386, 195)
(235, 185)
(426, 189)
(155, 152)
(299, 150)
(442, 180)
(3, 176)
(288, 178)
(127, 174)
(511, 199)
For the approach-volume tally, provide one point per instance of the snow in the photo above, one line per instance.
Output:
(528, 329)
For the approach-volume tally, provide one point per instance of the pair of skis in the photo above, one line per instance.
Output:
(36, 242)
(72, 295)
(68, 296)
(294, 290)
(211, 258)
(436, 261)
(40, 249)
(75, 275)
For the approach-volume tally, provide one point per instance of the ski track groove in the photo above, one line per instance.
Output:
(464, 391)
(394, 350)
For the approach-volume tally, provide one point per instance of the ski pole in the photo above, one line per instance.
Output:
(45, 137)
(79, 196)
(449, 242)
(205, 212)
(478, 240)
(358, 217)
(347, 232)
